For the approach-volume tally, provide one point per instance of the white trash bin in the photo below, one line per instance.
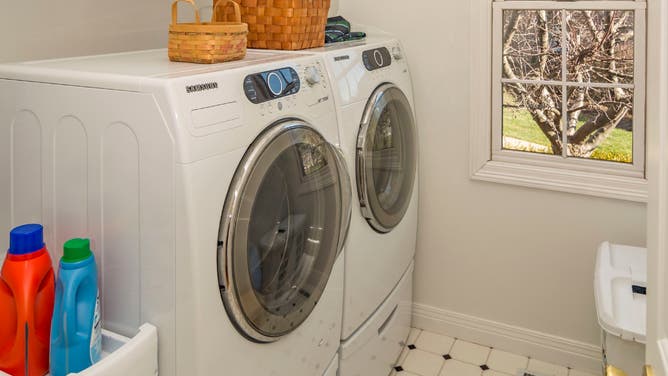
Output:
(620, 283)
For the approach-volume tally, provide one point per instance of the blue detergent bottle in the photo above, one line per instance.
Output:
(76, 329)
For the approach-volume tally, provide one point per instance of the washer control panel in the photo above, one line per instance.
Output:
(266, 86)
(377, 58)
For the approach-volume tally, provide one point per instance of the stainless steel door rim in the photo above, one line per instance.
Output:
(283, 225)
(386, 158)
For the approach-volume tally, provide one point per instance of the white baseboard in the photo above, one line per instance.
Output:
(546, 347)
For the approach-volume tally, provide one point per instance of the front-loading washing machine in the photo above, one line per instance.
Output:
(373, 93)
(215, 201)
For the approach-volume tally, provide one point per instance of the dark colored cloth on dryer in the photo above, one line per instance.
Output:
(338, 30)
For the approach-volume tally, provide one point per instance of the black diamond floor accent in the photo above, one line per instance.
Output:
(484, 367)
(447, 357)
(411, 347)
(398, 368)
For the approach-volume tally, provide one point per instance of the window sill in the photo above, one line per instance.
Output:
(586, 183)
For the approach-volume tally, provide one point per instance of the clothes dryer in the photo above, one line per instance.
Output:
(374, 98)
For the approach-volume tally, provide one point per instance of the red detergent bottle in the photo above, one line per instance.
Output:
(26, 303)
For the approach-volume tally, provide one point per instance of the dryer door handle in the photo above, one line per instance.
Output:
(346, 195)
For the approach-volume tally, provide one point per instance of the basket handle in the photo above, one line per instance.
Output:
(237, 10)
(175, 10)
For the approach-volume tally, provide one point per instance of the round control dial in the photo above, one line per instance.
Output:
(396, 52)
(275, 83)
(378, 58)
(312, 75)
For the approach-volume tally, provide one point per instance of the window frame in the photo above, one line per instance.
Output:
(490, 162)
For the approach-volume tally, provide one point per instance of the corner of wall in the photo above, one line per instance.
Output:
(334, 8)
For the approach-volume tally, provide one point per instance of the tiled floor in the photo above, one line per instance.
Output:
(429, 354)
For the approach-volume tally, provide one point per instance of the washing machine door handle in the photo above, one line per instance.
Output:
(346, 195)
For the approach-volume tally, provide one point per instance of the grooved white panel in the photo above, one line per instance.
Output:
(6, 121)
(26, 169)
(120, 229)
(70, 154)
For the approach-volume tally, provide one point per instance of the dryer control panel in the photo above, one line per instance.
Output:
(266, 86)
(376, 58)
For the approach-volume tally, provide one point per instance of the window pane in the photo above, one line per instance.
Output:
(532, 44)
(600, 124)
(600, 46)
(532, 118)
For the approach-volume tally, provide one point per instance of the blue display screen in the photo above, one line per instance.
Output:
(266, 86)
(277, 80)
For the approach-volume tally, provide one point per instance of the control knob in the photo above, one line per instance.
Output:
(312, 75)
(397, 54)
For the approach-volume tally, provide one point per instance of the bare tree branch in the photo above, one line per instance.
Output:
(600, 49)
(612, 117)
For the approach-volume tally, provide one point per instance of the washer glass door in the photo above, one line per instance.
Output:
(386, 158)
(283, 226)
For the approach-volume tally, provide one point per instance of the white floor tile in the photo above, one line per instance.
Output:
(434, 343)
(506, 362)
(546, 369)
(456, 368)
(466, 358)
(469, 352)
(579, 373)
(413, 336)
(491, 372)
(423, 363)
(403, 373)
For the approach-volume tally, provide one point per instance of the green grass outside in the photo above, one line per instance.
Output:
(520, 125)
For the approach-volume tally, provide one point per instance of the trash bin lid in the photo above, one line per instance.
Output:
(620, 281)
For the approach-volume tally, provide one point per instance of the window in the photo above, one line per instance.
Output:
(567, 97)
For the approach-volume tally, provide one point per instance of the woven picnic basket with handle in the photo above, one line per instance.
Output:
(284, 24)
(208, 43)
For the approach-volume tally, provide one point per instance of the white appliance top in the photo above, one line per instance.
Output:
(372, 39)
(151, 63)
(125, 71)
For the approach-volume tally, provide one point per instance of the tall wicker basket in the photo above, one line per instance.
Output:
(208, 43)
(284, 24)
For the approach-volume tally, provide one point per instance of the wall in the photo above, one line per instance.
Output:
(51, 29)
(516, 256)
(47, 29)
(334, 8)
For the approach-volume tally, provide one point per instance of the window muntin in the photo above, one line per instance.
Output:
(596, 82)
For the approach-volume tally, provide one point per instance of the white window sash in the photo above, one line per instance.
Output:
(576, 4)
(585, 176)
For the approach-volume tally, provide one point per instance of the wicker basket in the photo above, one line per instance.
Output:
(284, 24)
(208, 43)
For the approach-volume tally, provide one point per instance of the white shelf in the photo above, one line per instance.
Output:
(136, 356)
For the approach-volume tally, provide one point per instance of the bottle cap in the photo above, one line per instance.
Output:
(26, 239)
(76, 250)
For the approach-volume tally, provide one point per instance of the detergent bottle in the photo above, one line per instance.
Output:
(76, 330)
(26, 303)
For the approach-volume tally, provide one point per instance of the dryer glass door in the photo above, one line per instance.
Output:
(283, 226)
(386, 158)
